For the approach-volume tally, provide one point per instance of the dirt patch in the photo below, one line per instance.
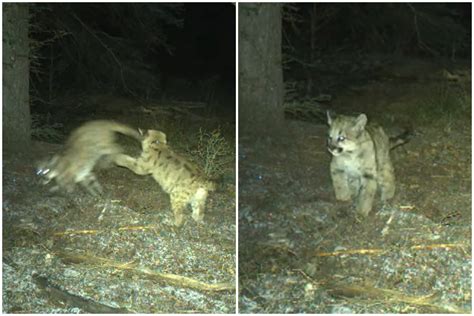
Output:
(300, 251)
(72, 253)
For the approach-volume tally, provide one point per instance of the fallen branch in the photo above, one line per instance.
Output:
(170, 110)
(168, 278)
(97, 231)
(371, 292)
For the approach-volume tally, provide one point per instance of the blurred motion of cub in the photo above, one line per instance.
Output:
(92, 142)
(360, 160)
(181, 179)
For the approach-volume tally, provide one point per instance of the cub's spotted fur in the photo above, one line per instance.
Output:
(93, 142)
(178, 177)
(360, 161)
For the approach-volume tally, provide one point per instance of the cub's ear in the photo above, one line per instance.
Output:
(329, 114)
(361, 121)
(329, 117)
(160, 141)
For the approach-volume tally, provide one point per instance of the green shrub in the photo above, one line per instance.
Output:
(212, 152)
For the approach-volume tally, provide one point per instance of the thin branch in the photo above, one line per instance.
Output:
(108, 50)
(421, 44)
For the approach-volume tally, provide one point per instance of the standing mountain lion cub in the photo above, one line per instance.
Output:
(360, 161)
(178, 177)
(92, 142)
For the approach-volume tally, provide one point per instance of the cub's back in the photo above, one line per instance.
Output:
(171, 170)
(96, 138)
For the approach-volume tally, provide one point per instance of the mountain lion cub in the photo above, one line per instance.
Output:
(360, 161)
(87, 145)
(178, 177)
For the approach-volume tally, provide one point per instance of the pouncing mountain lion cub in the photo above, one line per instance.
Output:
(360, 160)
(91, 143)
(179, 178)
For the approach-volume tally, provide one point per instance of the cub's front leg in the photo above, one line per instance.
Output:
(136, 165)
(91, 184)
(340, 182)
(365, 200)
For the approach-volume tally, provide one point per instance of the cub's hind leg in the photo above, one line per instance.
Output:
(387, 183)
(198, 204)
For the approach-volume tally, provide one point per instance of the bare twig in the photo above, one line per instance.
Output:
(382, 251)
(351, 252)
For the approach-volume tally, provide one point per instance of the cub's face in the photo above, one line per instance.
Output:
(344, 133)
(153, 138)
(46, 168)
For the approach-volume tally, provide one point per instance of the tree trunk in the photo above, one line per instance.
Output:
(260, 70)
(16, 100)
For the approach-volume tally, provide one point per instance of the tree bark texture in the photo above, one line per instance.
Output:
(16, 101)
(260, 68)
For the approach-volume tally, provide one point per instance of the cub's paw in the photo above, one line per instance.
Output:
(343, 196)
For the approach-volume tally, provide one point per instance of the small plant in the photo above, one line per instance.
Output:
(43, 129)
(213, 152)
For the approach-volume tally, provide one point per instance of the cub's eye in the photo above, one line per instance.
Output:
(341, 138)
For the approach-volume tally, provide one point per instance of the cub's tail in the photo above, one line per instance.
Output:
(127, 130)
(401, 139)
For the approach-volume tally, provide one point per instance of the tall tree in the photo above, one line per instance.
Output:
(260, 68)
(16, 107)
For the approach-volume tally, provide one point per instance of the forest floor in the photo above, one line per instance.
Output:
(73, 253)
(301, 251)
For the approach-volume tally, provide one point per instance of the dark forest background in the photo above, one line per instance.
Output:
(85, 59)
(145, 50)
(316, 35)
(325, 47)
